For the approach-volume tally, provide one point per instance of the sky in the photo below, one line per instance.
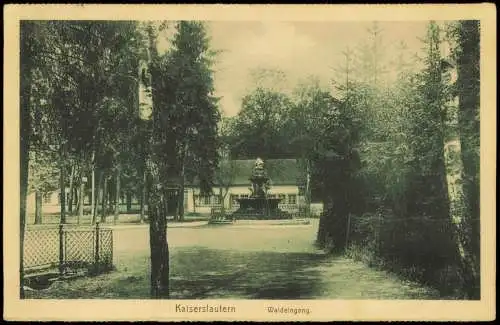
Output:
(299, 49)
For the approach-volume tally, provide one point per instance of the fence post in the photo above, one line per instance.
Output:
(61, 249)
(96, 260)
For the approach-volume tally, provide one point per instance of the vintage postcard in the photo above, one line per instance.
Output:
(249, 162)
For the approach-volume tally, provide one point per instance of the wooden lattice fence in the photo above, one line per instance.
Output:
(67, 248)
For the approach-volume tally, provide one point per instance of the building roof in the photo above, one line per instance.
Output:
(279, 171)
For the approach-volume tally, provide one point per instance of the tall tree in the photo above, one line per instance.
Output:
(469, 103)
(428, 118)
(301, 131)
(260, 125)
(465, 42)
(155, 164)
(184, 120)
(428, 204)
(27, 53)
(186, 90)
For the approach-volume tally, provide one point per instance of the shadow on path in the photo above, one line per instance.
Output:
(245, 275)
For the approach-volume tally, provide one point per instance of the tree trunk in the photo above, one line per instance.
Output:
(26, 63)
(194, 202)
(76, 198)
(143, 196)
(308, 189)
(38, 207)
(157, 200)
(24, 145)
(221, 198)
(129, 201)
(117, 195)
(62, 187)
(468, 83)
(159, 249)
(97, 197)
(93, 204)
(110, 197)
(71, 185)
(157, 212)
(180, 201)
(459, 218)
(80, 199)
(104, 198)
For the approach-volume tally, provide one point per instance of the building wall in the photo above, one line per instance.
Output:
(288, 193)
(50, 202)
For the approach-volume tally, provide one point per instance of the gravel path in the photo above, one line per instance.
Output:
(222, 262)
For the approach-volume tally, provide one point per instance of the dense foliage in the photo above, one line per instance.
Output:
(382, 153)
(81, 105)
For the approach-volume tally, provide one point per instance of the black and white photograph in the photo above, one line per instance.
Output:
(208, 161)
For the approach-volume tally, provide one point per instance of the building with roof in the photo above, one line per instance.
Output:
(286, 179)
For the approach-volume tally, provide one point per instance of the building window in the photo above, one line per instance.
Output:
(271, 196)
(292, 199)
(282, 197)
(207, 200)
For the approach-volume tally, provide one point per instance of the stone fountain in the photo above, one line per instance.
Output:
(258, 205)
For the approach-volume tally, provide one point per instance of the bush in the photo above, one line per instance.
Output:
(421, 249)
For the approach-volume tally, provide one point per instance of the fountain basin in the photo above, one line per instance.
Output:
(260, 208)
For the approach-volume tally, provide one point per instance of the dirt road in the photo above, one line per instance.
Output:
(244, 262)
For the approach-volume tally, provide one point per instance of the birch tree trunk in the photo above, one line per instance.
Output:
(461, 220)
(468, 82)
(157, 212)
